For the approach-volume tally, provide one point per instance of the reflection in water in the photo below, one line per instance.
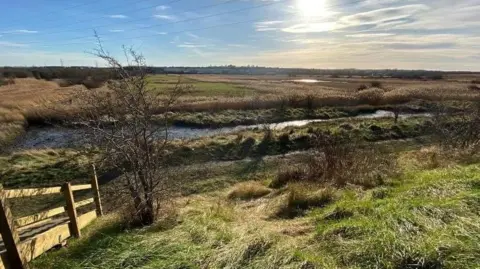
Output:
(58, 137)
(310, 81)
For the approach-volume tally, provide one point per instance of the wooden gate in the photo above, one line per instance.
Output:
(28, 237)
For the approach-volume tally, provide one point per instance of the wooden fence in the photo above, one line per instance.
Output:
(28, 237)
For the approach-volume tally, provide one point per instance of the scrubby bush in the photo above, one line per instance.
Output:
(362, 88)
(458, 130)
(267, 140)
(474, 87)
(347, 126)
(6, 81)
(284, 141)
(62, 82)
(92, 83)
(376, 84)
(346, 160)
(246, 146)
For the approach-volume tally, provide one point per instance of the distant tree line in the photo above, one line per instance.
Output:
(77, 75)
(293, 72)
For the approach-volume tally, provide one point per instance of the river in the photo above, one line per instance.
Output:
(60, 137)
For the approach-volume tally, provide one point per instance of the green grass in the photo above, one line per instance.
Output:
(41, 168)
(424, 219)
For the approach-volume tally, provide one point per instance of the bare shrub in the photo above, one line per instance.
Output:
(268, 138)
(7, 81)
(120, 124)
(346, 160)
(62, 82)
(376, 84)
(474, 87)
(248, 190)
(339, 160)
(92, 83)
(458, 130)
(362, 88)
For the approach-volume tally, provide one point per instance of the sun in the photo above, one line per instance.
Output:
(311, 8)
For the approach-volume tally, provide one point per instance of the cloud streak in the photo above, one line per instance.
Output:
(118, 16)
(20, 31)
(164, 17)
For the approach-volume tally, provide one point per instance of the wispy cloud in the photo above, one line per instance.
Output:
(194, 36)
(116, 31)
(118, 16)
(20, 31)
(377, 18)
(368, 35)
(164, 17)
(162, 8)
(12, 44)
(191, 45)
(239, 45)
(383, 15)
(265, 26)
(311, 27)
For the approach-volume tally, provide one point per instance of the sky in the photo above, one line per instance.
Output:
(364, 34)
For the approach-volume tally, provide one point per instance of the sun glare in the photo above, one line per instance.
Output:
(311, 8)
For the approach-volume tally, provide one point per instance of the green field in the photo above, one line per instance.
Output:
(200, 88)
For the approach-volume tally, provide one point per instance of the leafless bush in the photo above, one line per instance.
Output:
(474, 87)
(120, 121)
(376, 84)
(362, 88)
(340, 160)
(459, 129)
(345, 160)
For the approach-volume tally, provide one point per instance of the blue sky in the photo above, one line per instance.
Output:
(406, 34)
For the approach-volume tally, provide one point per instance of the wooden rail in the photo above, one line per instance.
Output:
(22, 248)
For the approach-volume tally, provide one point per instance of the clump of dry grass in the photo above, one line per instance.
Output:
(300, 198)
(372, 96)
(295, 173)
(248, 190)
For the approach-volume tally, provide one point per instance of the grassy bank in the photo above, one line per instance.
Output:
(228, 118)
(260, 142)
(425, 217)
(42, 168)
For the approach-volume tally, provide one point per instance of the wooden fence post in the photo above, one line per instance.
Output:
(96, 192)
(71, 210)
(10, 237)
